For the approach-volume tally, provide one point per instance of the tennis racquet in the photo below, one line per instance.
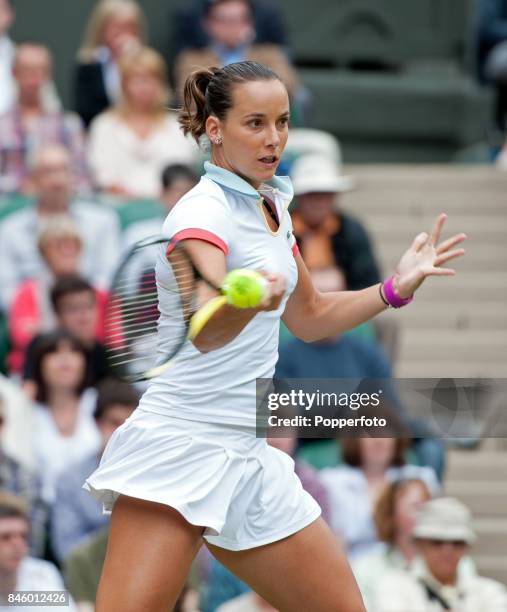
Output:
(158, 301)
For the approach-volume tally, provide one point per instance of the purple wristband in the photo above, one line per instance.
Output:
(392, 297)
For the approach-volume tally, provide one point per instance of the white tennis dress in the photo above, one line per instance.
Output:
(191, 443)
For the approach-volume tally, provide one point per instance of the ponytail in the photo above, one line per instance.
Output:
(194, 113)
(208, 91)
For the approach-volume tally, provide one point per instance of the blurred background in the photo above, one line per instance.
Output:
(398, 113)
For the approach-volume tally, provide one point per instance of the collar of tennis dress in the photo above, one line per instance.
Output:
(281, 185)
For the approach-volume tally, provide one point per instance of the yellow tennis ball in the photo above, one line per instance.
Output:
(244, 288)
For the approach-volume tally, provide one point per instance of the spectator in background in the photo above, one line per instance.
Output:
(79, 310)
(29, 125)
(354, 488)
(76, 514)
(394, 518)
(99, 226)
(18, 571)
(130, 144)
(436, 581)
(17, 479)
(231, 30)
(177, 180)
(324, 233)
(60, 245)
(6, 58)
(64, 430)
(189, 31)
(115, 28)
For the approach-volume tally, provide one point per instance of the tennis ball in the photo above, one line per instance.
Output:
(244, 288)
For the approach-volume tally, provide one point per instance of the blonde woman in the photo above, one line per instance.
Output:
(131, 144)
(115, 27)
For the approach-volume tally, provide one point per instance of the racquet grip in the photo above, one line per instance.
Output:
(203, 315)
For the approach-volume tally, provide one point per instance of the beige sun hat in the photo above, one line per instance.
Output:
(445, 519)
(317, 173)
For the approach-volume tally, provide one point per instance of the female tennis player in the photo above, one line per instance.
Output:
(186, 466)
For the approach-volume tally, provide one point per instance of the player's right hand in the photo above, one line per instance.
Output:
(274, 292)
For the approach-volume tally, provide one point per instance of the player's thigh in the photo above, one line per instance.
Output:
(149, 552)
(306, 571)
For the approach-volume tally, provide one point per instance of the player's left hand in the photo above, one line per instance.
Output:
(425, 258)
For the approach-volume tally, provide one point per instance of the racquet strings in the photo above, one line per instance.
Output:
(133, 344)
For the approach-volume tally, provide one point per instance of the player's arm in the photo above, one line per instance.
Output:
(227, 322)
(312, 316)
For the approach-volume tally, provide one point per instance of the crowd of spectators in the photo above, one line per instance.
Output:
(58, 401)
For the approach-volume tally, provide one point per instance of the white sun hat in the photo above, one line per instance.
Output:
(444, 519)
(317, 173)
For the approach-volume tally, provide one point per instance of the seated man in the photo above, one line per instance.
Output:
(80, 310)
(76, 514)
(29, 124)
(52, 176)
(230, 27)
(176, 180)
(189, 32)
(443, 533)
(18, 571)
(326, 234)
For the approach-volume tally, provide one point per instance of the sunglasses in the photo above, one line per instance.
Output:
(455, 543)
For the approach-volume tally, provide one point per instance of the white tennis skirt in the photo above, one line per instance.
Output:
(241, 490)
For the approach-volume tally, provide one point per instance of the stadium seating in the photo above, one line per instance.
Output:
(457, 327)
(393, 80)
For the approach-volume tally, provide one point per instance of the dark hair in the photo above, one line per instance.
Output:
(208, 92)
(177, 172)
(50, 343)
(209, 5)
(112, 391)
(12, 506)
(67, 285)
(351, 451)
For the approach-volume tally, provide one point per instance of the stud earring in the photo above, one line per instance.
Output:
(218, 141)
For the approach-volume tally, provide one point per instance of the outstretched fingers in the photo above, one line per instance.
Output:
(441, 272)
(445, 257)
(437, 228)
(449, 243)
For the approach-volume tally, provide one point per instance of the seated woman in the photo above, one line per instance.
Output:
(115, 27)
(394, 518)
(64, 430)
(370, 464)
(60, 245)
(130, 144)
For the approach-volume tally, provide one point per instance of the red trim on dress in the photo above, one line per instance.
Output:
(198, 234)
(295, 249)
